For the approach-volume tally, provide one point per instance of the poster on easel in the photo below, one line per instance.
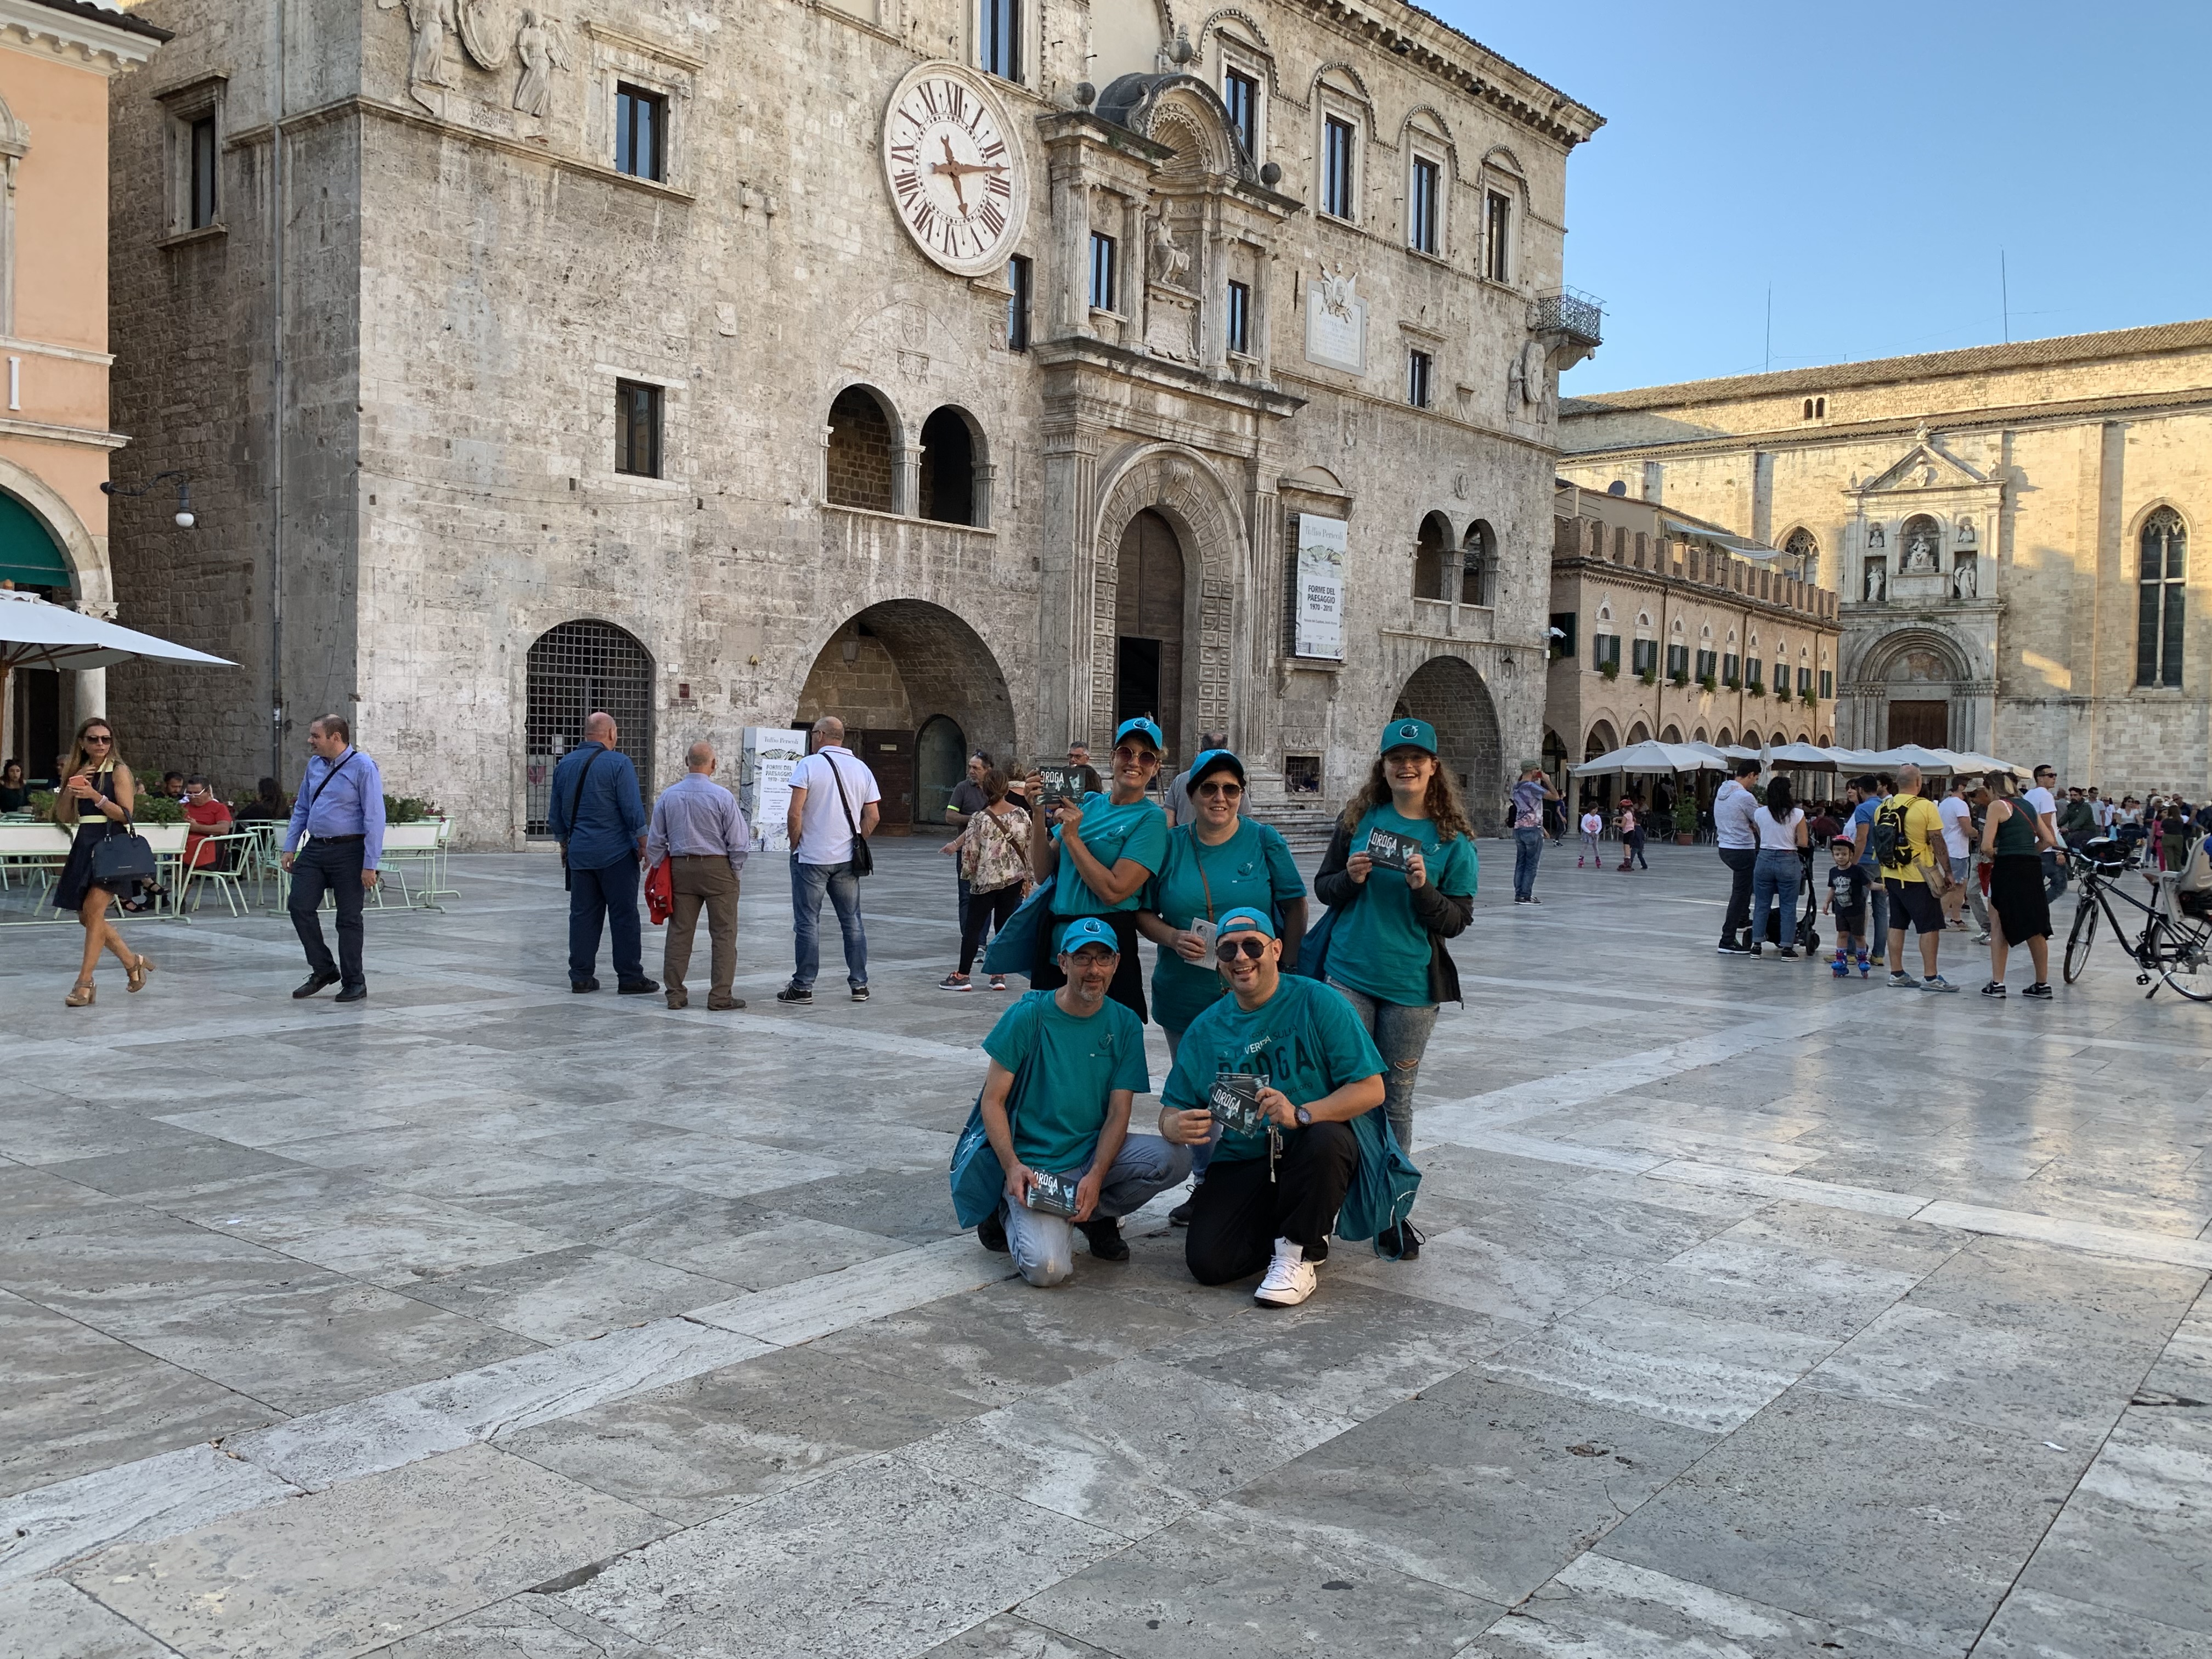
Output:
(766, 757)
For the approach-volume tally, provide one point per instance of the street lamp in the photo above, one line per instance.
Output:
(185, 519)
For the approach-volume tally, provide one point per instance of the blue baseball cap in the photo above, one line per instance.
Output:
(1244, 919)
(1087, 930)
(1408, 734)
(1139, 723)
(1215, 760)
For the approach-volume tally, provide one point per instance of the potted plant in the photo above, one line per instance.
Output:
(1809, 699)
(1754, 689)
(1707, 682)
(1680, 677)
(150, 808)
(1610, 668)
(1650, 676)
(1734, 684)
(1685, 818)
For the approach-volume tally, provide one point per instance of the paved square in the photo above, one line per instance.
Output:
(1761, 1315)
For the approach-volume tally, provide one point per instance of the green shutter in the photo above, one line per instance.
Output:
(28, 554)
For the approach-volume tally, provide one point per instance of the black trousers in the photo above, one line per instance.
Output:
(1236, 1214)
(1740, 861)
(332, 866)
(1129, 986)
(979, 911)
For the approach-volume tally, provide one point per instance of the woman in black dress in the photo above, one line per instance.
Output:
(97, 791)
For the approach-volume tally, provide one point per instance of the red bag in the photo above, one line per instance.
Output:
(659, 892)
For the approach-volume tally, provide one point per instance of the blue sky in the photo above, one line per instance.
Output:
(1869, 161)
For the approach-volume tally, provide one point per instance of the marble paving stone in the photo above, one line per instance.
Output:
(531, 1625)
(815, 1307)
(156, 1496)
(558, 1295)
(810, 1570)
(27, 1194)
(78, 1401)
(909, 1205)
(49, 1619)
(2034, 1624)
(1664, 1362)
(1487, 1488)
(56, 1130)
(1521, 1281)
(1007, 1637)
(1131, 1447)
(150, 1172)
(758, 1255)
(2184, 1369)
(1912, 1247)
(581, 1212)
(1911, 1527)
(1781, 1288)
(1872, 1200)
(372, 1562)
(1219, 1586)
(2064, 1292)
(266, 1123)
(2137, 1535)
(2134, 1243)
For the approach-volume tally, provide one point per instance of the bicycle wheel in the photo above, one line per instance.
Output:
(2187, 954)
(2079, 941)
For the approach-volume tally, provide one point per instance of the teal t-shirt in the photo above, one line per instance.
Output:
(1059, 1107)
(1305, 1040)
(1139, 831)
(1252, 868)
(1377, 944)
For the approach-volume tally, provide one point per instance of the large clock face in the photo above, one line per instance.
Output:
(956, 181)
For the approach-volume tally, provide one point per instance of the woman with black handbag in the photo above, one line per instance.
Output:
(97, 797)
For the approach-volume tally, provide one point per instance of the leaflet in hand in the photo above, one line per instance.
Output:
(1392, 851)
(1052, 1194)
(1233, 1100)
(1059, 783)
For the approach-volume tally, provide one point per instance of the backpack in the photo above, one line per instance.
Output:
(1892, 849)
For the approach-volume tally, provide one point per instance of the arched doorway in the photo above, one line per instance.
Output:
(917, 689)
(1149, 603)
(573, 671)
(948, 467)
(1451, 695)
(863, 451)
(1436, 535)
(1478, 569)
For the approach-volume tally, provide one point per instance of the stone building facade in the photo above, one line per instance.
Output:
(646, 355)
(1666, 626)
(2007, 527)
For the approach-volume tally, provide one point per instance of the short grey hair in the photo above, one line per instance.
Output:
(699, 755)
(829, 729)
(1908, 775)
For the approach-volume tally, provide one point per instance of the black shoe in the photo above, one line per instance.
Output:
(352, 994)
(1106, 1241)
(637, 988)
(859, 994)
(1728, 947)
(1402, 1241)
(991, 1233)
(2040, 991)
(1179, 1216)
(1533, 899)
(801, 996)
(315, 982)
(1993, 989)
(580, 985)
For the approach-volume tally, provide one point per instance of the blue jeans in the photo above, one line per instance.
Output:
(1528, 848)
(1401, 1036)
(1043, 1246)
(608, 894)
(1774, 880)
(2056, 875)
(808, 884)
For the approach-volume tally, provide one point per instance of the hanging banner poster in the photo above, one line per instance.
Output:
(1320, 607)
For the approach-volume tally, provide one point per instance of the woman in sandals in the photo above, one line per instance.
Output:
(994, 852)
(1386, 950)
(97, 791)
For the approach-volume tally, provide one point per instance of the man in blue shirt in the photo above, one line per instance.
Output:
(1865, 794)
(341, 810)
(599, 818)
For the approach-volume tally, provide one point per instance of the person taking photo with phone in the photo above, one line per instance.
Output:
(98, 793)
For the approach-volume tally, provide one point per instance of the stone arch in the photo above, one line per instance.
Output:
(1429, 549)
(1726, 738)
(889, 669)
(92, 583)
(1250, 25)
(954, 479)
(1878, 657)
(1479, 566)
(1182, 487)
(1672, 734)
(573, 669)
(1449, 693)
(861, 449)
(1698, 736)
(1599, 739)
(1182, 112)
(1639, 732)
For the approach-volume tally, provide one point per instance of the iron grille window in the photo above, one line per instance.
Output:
(637, 428)
(202, 208)
(1336, 168)
(1827, 683)
(1418, 365)
(1101, 272)
(1241, 94)
(2159, 613)
(573, 671)
(1002, 39)
(1678, 660)
(1497, 237)
(1018, 279)
(1240, 319)
(1421, 219)
(1645, 659)
(640, 127)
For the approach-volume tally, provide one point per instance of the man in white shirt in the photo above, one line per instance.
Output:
(1957, 818)
(1737, 840)
(2046, 807)
(834, 803)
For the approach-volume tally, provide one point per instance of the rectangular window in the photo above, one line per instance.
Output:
(1002, 39)
(1753, 672)
(201, 209)
(1804, 681)
(1646, 656)
(1731, 670)
(1605, 651)
(1101, 272)
(637, 430)
(1677, 661)
(1708, 663)
(1018, 280)
(1241, 94)
(641, 131)
(1827, 683)
(1421, 212)
(1240, 319)
(1497, 237)
(1563, 633)
(1336, 168)
(1418, 365)
(1782, 679)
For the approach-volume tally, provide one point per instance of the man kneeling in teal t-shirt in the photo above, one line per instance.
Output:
(1270, 1195)
(1080, 1060)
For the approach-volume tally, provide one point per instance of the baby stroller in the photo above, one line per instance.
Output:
(1808, 910)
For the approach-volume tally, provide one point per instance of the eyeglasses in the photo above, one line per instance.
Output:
(1130, 752)
(97, 736)
(1229, 791)
(1254, 946)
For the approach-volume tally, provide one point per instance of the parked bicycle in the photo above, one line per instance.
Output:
(2175, 946)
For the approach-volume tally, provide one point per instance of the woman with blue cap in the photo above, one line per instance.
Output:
(1399, 878)
(1102, 851)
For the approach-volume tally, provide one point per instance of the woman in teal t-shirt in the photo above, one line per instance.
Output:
(1386, 945)
(1102, 851)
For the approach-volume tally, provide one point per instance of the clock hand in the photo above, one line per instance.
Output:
(958, 173)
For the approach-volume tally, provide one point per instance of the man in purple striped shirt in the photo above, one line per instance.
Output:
(698, 827)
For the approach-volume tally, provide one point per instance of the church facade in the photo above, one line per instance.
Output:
(2007, 529)
(981, 371)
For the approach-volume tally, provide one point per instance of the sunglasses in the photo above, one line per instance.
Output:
(1254, 946)
(97, 736)
(1130, 752)
(1228, 790)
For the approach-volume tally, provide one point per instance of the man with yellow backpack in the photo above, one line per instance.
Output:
(1907, 843)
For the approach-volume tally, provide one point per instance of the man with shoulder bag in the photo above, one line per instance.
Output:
(835, 804)
(340, 810)
(598, 816)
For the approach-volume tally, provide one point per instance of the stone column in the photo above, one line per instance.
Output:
(1066, 582)
(906, 481)
(986, 481)
(90, 688)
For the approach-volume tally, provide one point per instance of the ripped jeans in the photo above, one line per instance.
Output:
(1402, 1035)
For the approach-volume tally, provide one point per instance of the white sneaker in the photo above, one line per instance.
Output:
(1291, 1278)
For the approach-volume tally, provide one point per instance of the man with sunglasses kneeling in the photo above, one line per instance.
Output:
(1273, 1190)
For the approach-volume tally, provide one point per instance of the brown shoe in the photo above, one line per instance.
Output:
(678, 1000)
(724, 1005)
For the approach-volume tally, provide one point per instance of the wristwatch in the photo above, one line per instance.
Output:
(1303, 1114)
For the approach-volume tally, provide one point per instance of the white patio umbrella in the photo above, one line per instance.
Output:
(34, 634)
(1652, 756)
(1803, 757)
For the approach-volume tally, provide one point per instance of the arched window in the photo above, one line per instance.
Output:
(1429, 558)
(1724, 739)
(571, 670)
(863, 445)
(2159, 601)
(950, 489)
(1802, 549)
(1477, 579)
